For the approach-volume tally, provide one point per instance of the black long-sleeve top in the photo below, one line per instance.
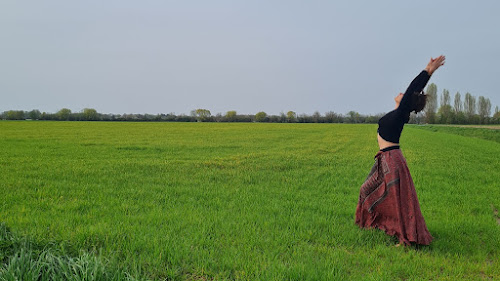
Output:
(391, 125)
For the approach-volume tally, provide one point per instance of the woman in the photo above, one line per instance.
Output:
(387, 198)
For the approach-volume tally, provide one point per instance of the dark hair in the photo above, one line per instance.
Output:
(418, 101)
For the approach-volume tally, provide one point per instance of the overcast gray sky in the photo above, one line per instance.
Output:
(248, 56)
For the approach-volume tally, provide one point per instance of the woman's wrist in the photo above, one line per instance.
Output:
(429, 70)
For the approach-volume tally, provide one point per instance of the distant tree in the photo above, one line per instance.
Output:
(446, 114)
(496, 115)
(275, 118)
(282, 118)
(484, 108)
(35, 114)
(304, 118)
(15, 115)
(469, 106)
(63, 114)
(460, 118)
(185, 118)
(445, 111)
(353, 117)
(415, 118)
(458, 103)
(332, 117)
(148, 117)
(231, 116)
(431, 105)
(374, 119)
(90, 114)
(169, 117)
(260, 117)
(291, 117)
(202, 115)
(316, 117)
(219, 117)
(445, 97)
(474, 119)
(48, 116)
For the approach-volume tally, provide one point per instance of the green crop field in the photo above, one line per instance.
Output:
(229, 201)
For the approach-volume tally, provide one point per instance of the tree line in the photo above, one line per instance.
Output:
(197, 115)
(468, 111)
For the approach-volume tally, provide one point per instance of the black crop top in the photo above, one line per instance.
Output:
(391, 125)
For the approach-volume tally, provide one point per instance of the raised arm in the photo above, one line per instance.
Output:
(418, 84)
(434, 64)
(421, 80)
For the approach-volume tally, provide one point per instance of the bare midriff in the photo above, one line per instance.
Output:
(383, 143)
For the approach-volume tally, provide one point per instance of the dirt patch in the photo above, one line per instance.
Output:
(491, 127)
(495, 213)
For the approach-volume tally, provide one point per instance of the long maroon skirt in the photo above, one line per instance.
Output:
(388, 200)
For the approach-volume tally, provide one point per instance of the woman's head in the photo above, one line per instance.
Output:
(417, 101)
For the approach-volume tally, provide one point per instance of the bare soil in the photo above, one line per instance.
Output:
(492, 127)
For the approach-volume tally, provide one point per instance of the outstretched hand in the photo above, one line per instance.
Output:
(434, 64)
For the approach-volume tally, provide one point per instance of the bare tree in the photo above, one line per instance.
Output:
(496, 116)
(458, 103)
(445, 110)
(483, 108)
(332, 117)
(431, 106)
(469, 105)
(316, 117)
(445, 97)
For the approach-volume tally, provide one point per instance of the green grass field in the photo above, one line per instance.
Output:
(481, 131)
(228, 201)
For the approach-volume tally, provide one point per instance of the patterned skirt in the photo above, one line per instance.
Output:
(388, 200)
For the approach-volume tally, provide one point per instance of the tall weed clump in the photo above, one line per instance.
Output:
(22, 259)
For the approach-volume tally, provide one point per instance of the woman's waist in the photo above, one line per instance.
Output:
(389, 148)
(385, 145)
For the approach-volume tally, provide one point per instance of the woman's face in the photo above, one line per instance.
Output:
(398, 98)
